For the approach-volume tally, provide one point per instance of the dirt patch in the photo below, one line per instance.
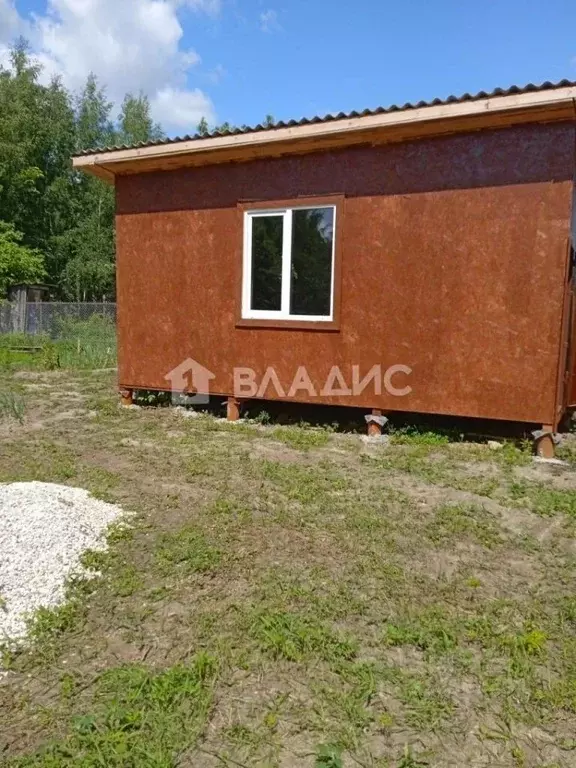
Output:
(398, 601)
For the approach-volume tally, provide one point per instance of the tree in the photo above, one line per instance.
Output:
(18, 263)
(135, 122)
(93, 125)
(87, 248)
(202, 127)
(36, 141)
(58, 223)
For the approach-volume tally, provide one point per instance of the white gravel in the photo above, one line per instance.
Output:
(44, 528)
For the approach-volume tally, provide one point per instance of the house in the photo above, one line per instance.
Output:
(414, 258)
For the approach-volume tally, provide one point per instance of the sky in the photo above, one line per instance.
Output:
(239, 60)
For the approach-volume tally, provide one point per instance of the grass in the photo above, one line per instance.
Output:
(137, 717)
(295, 638)
(458, 522)
(12, 406)
(328, 756)
(543, 500)
(79, 344)
(285, 595)
(301, 437)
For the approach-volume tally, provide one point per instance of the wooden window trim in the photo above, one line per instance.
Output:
(333, 325)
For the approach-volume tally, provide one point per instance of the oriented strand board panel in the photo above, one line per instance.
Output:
(454, 257)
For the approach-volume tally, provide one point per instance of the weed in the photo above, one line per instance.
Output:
(427, 706)
(514, 455)
(416, 436)
(457, 521)
(139, 717)
(430, 631)
(303, 484)
(152, 397)
(80, 344)
(241, 734)
(530, 642)
(68, 685)
(188, 550)
(228, 508)
(127, 581)
(328, 756)
(300, 437)
(297, 638)
(119, 531)
(12, 405)
(50, 356)
(543, 500)
(262, 417)
(409, 760)
(47, 625)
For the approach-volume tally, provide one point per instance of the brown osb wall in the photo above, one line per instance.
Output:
(453, 263)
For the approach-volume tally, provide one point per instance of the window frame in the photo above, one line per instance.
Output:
(282, 318)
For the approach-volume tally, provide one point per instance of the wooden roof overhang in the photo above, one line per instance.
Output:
(550, 105)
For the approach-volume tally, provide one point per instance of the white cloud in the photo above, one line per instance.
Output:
(217, 74)
(9, 20)
(208, 6)
(182, 108)
(269, 21)
(11, 25)
(131, 45)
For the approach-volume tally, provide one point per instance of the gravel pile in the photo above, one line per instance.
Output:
(44, 528)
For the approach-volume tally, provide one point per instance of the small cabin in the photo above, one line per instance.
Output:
(20, 295)
(415, 259)
(25, 293)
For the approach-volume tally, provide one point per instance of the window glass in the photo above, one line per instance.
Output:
(267, 262)
(311, 265)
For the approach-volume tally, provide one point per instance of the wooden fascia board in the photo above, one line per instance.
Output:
(537, 106)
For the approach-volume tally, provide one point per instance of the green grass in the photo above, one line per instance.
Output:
(416, 436)
(392, 606)
(543, 500)
(328, 756)
(79, 344)
(301, 437)
(12, 406)
(458, 522)
(188, 551)
(297, 638)
(430, 632)
(138, 717)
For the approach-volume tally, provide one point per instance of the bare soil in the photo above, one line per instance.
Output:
(355, 605)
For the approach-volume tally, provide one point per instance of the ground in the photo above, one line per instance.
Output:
(289, 596)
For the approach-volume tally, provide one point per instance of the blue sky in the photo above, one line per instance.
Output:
(331, 56)
(238, 60)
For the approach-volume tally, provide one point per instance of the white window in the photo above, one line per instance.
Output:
(288, 264)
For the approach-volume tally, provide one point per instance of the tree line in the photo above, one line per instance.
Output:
(57, 224)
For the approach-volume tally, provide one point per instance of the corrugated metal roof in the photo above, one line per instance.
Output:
(514, 89)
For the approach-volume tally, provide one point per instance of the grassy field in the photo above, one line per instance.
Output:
(85, 344)
(288, 596)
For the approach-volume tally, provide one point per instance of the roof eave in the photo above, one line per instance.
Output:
(492, 112)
